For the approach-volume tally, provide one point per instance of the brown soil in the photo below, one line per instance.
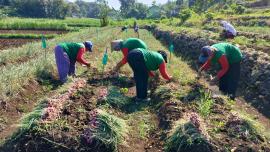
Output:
(65, 135)
(31, 32)
(14, 43)
(169, 112)
(75, 113)
(11, 111)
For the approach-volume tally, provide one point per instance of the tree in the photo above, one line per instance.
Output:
(84, 8)
(126, 6)
(138, 11)
(5, 2)
(73, 10)
(30, 8)
(154, 3)
(56, 9)
(93, 10)
(115, 14)
(171, 8)
(104, 12)
(179, 2)
(184, 15)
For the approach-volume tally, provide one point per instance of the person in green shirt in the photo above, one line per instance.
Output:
(229, 58)
(126, 46)
(143, 62)
(67, 54)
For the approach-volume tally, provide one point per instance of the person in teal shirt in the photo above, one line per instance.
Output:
(143, 62)
(229, 58)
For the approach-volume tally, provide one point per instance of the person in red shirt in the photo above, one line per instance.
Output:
(67, 54)
(142, 63)
(229, 58)
(125, 47)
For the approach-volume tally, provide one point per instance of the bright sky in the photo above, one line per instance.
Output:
(116, 4)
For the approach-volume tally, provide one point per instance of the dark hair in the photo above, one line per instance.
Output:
(164, 55)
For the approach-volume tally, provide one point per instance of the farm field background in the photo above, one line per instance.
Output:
(95, 111)
(15, 32)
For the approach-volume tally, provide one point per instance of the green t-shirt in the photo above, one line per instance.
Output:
(232, 53)
(72, 49)
(152, 59)
(133, 43)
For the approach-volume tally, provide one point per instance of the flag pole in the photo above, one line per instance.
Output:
(104, 60)
(171, 49)
(44, 45)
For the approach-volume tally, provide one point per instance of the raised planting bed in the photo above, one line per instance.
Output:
(33, 32)
(13, 43)
(255, 70)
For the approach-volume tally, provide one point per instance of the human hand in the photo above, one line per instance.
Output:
(213, 80)
(172, 79)
(114, 73)
(88, 65)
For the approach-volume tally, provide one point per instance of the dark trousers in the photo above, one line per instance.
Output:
(136, 61)
(228, 35)
(229, 82)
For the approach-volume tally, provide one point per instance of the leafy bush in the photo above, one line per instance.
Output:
(239, 9)
(104, 21)
(205, 104)
(209, 16)
(184, 15)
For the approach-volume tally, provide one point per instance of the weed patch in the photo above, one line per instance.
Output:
(205, 105)
(186, 137)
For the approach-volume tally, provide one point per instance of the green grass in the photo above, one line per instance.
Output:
(256, 29)
(47, 24)
(15, 76)
(116, 99)
(255, 125)
(142, 123)
(27, 36)
(27, 122)
(31, 49)
(205, 104)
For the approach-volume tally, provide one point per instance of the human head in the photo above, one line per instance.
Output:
(206, 52)
(223, 23)
(116, 45)
(88, 45)
(164, 55)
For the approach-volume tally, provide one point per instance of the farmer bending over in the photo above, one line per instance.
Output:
(229, 31)
(229, 58)
(136, 27)
(66, 55)
(124, 28)
(126, 46)
(143, 62)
